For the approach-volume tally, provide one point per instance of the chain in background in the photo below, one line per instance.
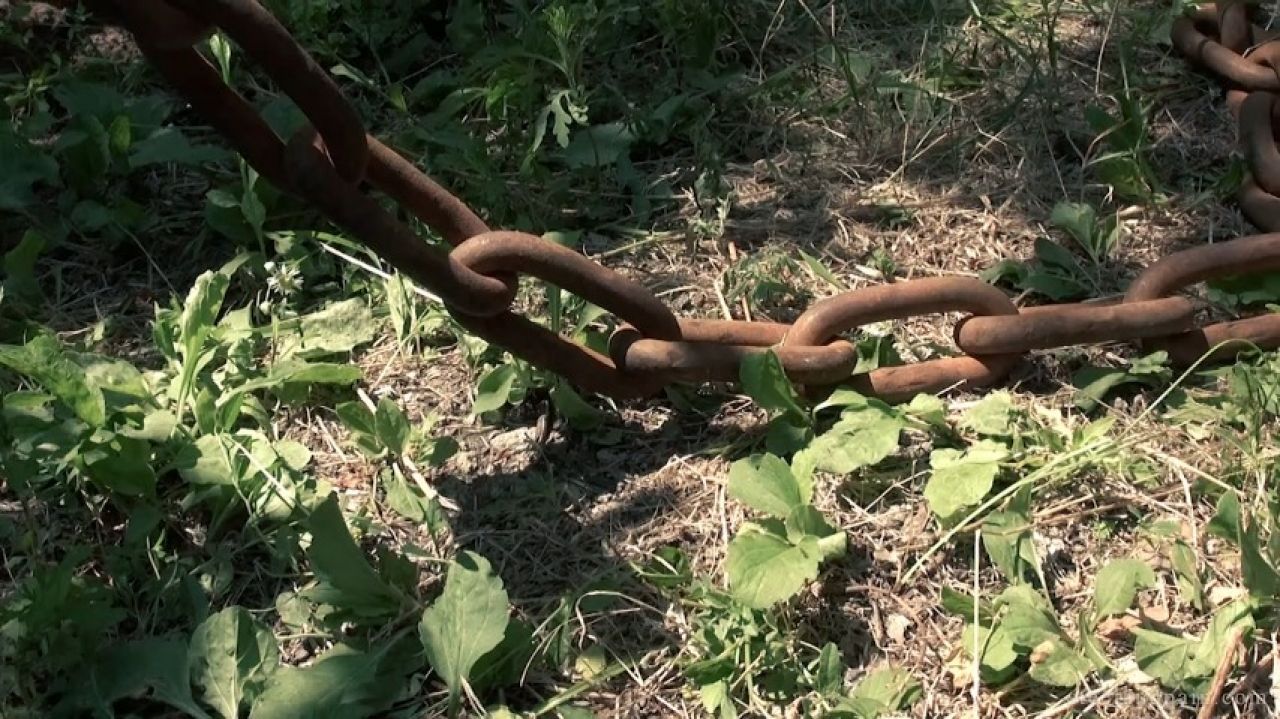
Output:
(332, 163)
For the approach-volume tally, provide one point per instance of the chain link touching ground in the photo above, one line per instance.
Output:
(328, 163)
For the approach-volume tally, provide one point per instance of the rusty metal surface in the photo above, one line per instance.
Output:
(519, 253)
(1065, 325)
(834, 315)
(332, 163)
(438, 208)
(271, 46)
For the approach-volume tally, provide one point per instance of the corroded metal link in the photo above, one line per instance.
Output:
(1065, 325)
(1190, 38)
(544, 349)
(713, 351)
(841, 313)
(315, 179)
(1261, 207)
(516, 252)
(438, 208)
(226, 110)
(261, 36)
(834, 315)
(156, 24)
(1257, 139)
(1245, 256)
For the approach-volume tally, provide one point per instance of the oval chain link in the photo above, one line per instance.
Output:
(326, 163)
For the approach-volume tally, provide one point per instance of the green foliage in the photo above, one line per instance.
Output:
(468, 621)
(770, 561)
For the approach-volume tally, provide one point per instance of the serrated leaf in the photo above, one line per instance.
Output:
(468, 621)
(765, 568)
(231, 656)
(1118, 583)
(961, 480)
(765, 483)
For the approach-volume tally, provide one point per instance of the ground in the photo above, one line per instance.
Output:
(898, 140)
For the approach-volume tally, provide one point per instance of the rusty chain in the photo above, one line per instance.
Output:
(329, 163)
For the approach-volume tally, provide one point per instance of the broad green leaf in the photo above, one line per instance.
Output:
(43, 360)
(829, 675)
(1226, 519)
(20, 264)
(807, 522)
(231, 657)
(170, 146)
(599, 145)
(1007, 538)
(765, 568)
(764, 380)
(131, 670)
(22, 168)
(1057, 664)
(1259, 576)
(765, 483)
(357, 417)
(207, 461)
(580, 414)
(1186, 574)
(991, 416)
(892, 688)
(201, 308)
(337, 329)
(347, 580)
(994, 648)
(393, 427)
(961, 480)
(1079, 220)
(122, 465)
(863, 437)
(467, 622)
(1028, 619)
(344, 683)
(1167, 659)
(929, 409)
(1118, 583)
(494, 389)
(506, 664)
(302, 373)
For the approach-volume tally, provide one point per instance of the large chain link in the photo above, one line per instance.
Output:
(330, 161)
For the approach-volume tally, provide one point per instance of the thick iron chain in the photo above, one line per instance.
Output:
(332, 161)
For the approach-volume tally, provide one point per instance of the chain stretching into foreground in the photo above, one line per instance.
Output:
(329, 162)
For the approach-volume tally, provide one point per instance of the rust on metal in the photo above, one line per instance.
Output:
(261, 36)
(516, 252)
(312, 176)
(326, 163)
(438, 208)
(1066, 325)
(546, 350)
(844, 312)
(713, 351)
(1234, 258)
(841, 313)
(156, 24)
